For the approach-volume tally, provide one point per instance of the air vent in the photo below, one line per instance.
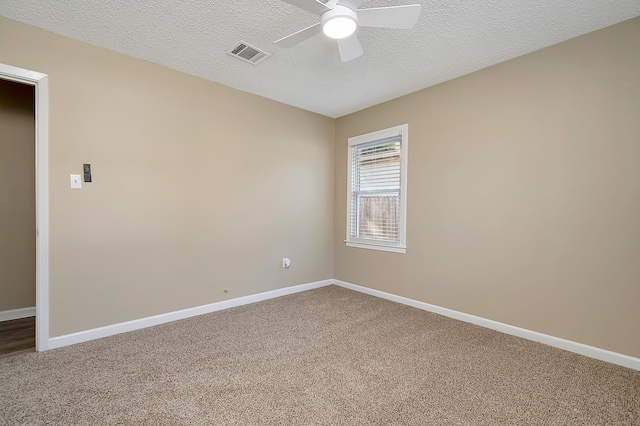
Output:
(248, 53)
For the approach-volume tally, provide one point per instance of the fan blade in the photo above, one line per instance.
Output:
(403, 17)
(351, 4)
(313, 6)
(349, 48)
(299, 36)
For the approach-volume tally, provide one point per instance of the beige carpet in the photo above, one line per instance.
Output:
(329, 356)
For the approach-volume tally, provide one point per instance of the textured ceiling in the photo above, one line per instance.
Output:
(451, 38)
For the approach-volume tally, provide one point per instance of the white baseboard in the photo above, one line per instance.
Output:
(17, 314)
(568, 345)
(110, 330)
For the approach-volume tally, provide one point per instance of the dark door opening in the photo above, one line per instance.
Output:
(17, 218)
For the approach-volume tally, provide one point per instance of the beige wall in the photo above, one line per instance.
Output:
(524, 192)
(17, 197)
(524, 189)
(196, 187)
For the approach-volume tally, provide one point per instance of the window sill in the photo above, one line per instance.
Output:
(393, 249)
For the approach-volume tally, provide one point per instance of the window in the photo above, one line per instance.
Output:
(376, 192)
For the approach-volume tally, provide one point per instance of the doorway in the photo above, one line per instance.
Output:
(35, 85)
(17, 218)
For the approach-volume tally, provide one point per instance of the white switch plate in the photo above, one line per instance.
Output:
(286, 262)
(76, 181)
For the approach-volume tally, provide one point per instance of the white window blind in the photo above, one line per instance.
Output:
(376, 190)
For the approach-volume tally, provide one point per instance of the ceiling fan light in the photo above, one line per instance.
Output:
(339, 27)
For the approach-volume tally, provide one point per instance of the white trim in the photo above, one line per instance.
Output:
(378, 134)
(123, 327)
(376, 246)
(14, 314)
(40, 81)
(557, 342)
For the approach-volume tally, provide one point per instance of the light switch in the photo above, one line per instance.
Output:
(76, 181)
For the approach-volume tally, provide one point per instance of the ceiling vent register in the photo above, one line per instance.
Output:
(248, 53)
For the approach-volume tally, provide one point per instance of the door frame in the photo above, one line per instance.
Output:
(41, 86)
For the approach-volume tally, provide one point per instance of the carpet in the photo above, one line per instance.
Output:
(328, 356)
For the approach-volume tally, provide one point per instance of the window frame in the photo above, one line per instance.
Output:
(399, 246)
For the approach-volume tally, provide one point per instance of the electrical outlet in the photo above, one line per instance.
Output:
(286, 262)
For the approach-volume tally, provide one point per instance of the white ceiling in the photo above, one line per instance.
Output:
(451, 38)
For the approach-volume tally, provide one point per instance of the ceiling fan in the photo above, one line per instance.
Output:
(340, 18)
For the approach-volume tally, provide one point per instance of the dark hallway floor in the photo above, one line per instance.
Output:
(17, 336)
